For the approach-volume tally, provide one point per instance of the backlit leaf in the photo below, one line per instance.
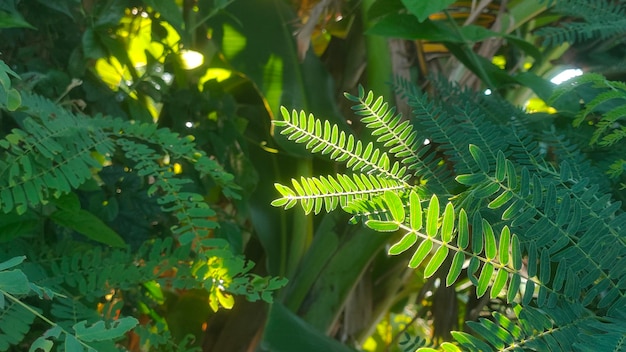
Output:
(447, 225)
(505, 239)
(405, 243)
(435, 262)
(395, 206)
(382, 226)
(463, 239)
(432, 219)
(415, 209)
(455, 268)
(421, 253)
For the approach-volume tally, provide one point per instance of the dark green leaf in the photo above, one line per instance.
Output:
(100, 332)
(484, 279)
(423, 9)
(480, 158)
(14, 282)
(88, 225)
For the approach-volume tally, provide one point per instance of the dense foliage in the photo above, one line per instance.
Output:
(142, 143)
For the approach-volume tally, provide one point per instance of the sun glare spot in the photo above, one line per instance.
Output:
(565, 75)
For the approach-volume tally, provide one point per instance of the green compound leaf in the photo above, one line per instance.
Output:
(421, 253)
(405, 243)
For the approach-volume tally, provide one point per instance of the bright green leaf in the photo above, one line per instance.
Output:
(435, 262)
(432, 218)
(447, 225)
(405, 243)
(463, 239)
(505, 241)
(415, 209)
(395, 206)
(421, 253)
(382, 226)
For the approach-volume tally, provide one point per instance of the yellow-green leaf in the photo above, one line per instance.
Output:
(432, 219)
(505, 239)
(382, 226)
(421, 253)
(405, 243)
(415, 210)
(447, 225)
(395, 206)
(435, 262)
(463, 239)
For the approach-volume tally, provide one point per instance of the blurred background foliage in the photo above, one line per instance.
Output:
(220, 69)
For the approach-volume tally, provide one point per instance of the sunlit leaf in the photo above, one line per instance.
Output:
(435, 262)
(455, 268)
(405, 243)
(415, 209)
(432, 219)
(382, 226)
(421, 253)
(480, 158)
(447, 225)
(395, 206)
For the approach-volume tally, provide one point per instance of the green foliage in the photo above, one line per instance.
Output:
(48, 161)
(535, 232)
(600, 19)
